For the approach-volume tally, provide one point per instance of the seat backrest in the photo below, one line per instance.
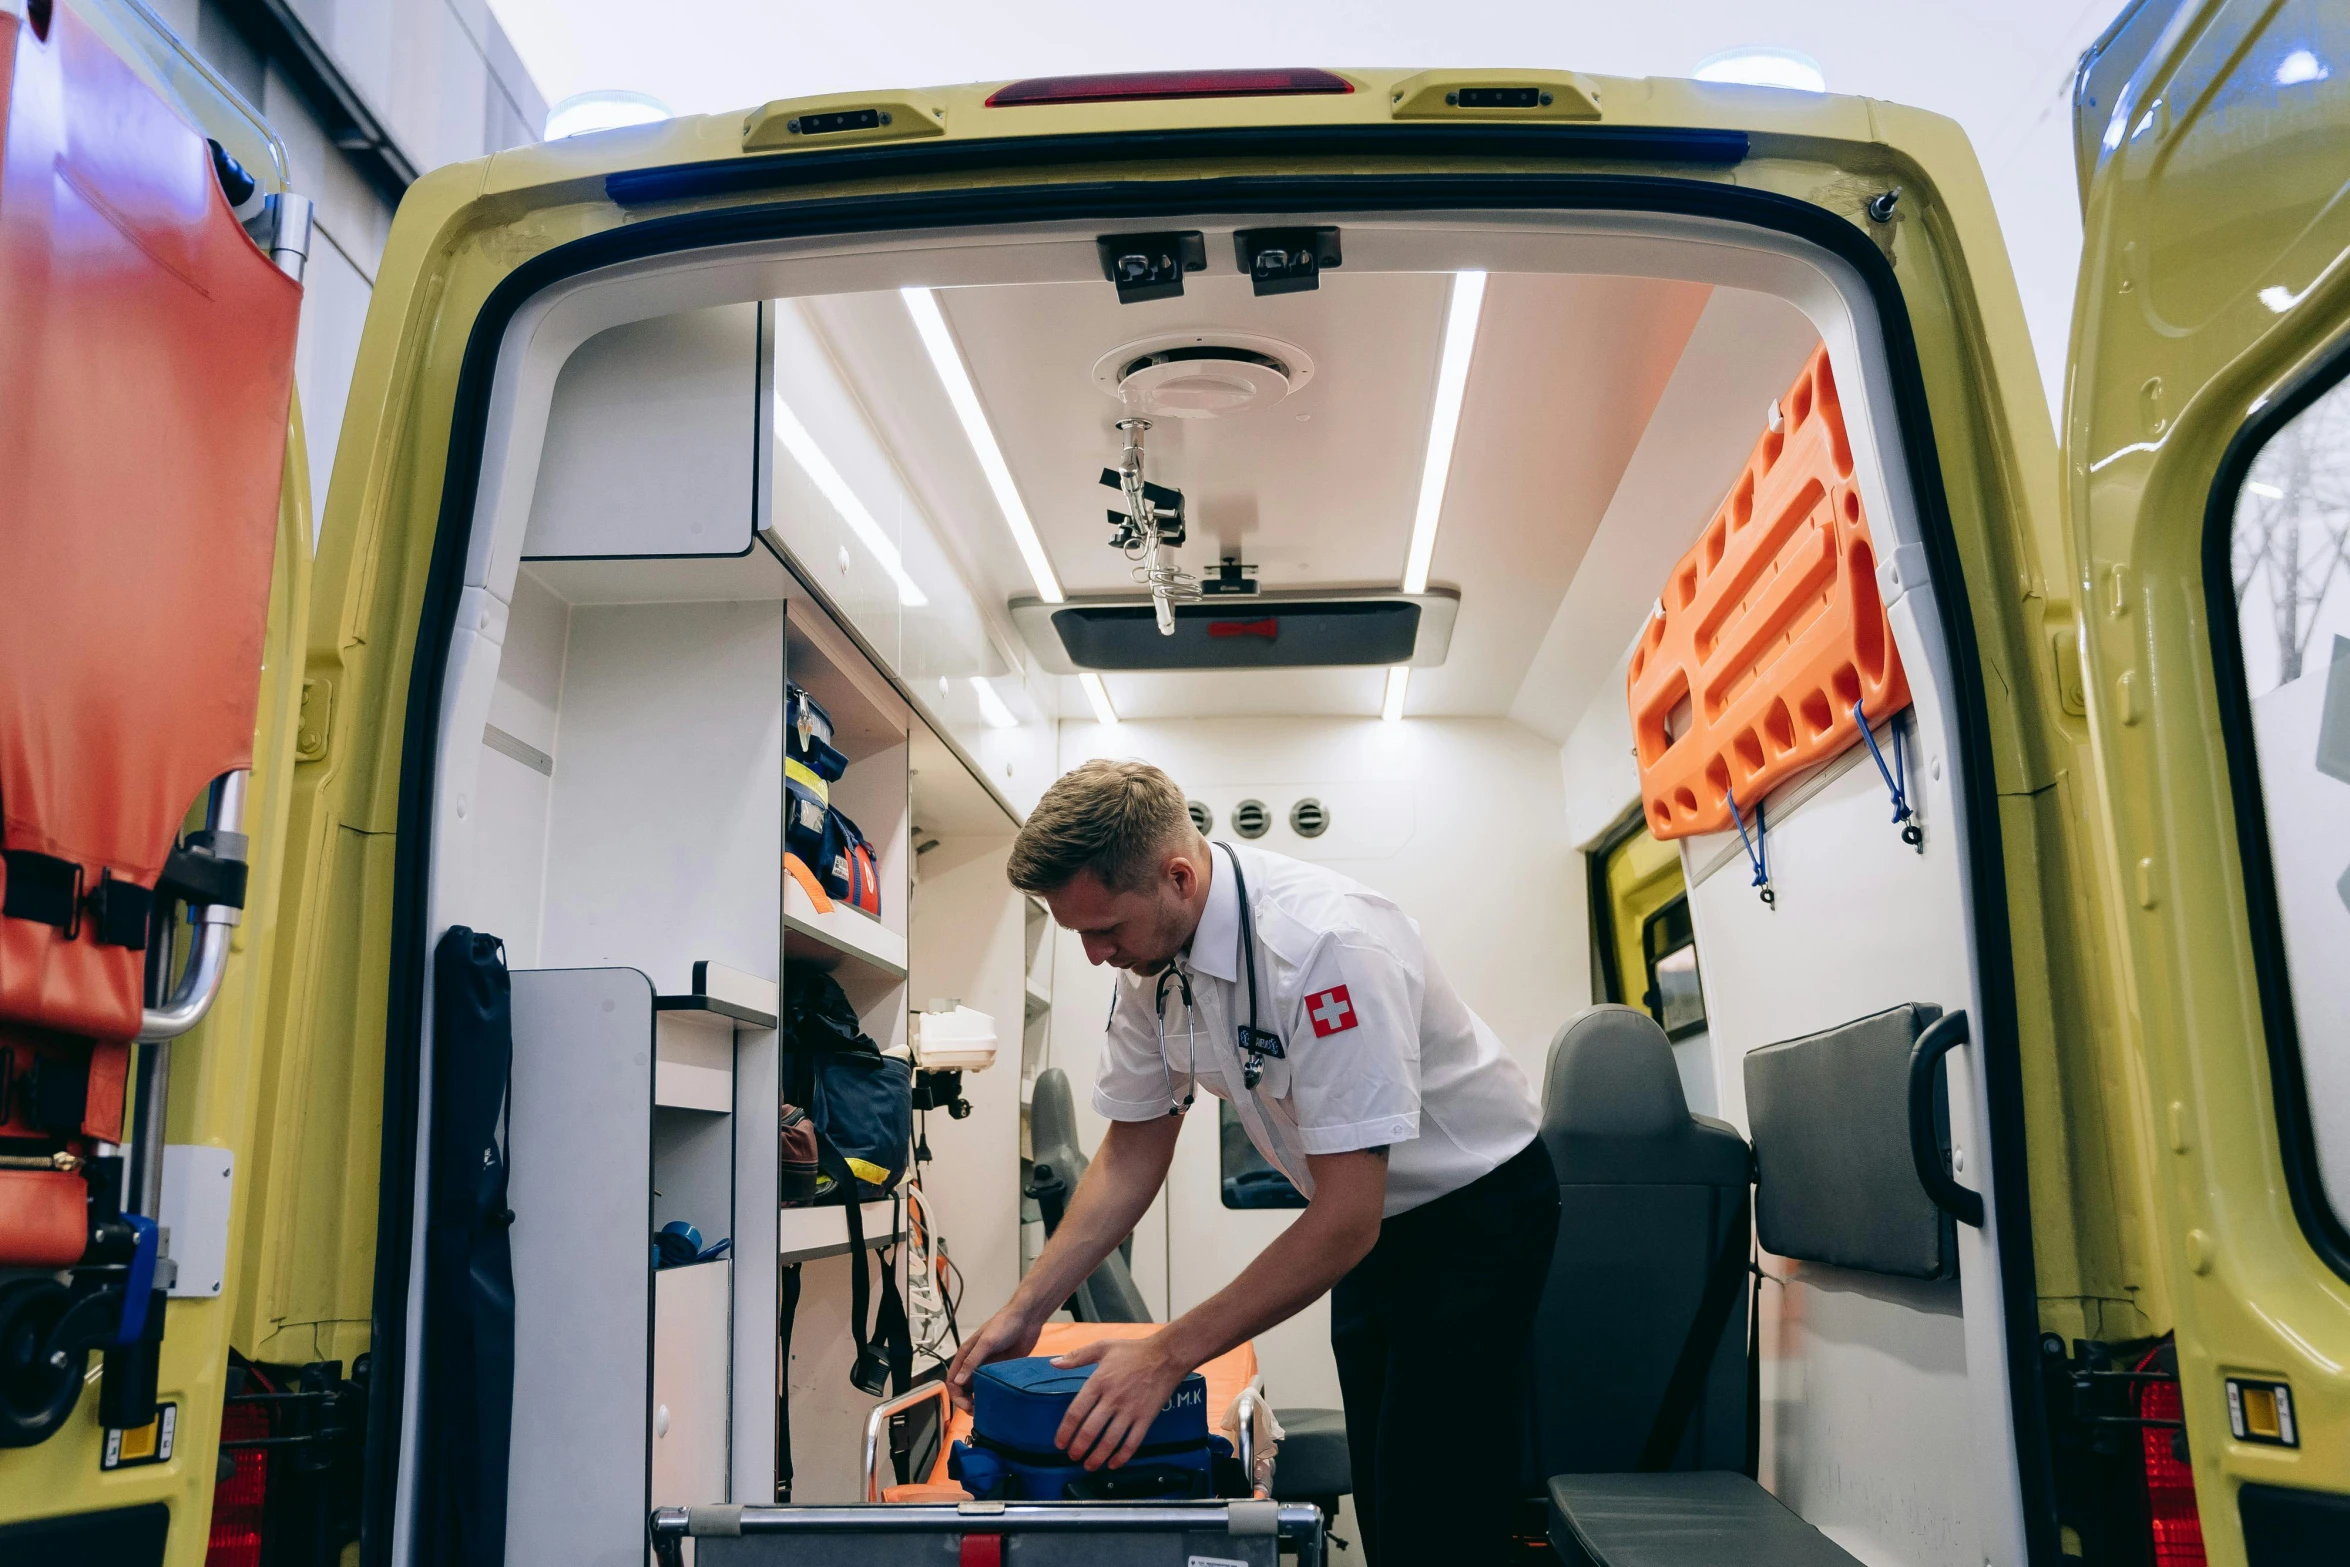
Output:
(1648, 1197)
(1109, 1293)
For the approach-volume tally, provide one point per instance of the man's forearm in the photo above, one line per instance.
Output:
(1118, 1186)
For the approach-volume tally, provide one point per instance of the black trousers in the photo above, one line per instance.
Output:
(1430, 1333)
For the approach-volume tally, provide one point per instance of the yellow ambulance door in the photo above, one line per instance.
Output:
(2208, 469)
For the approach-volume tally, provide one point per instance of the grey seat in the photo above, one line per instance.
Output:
(1681, 1520)
(1650, 1197)
(1056, 1166)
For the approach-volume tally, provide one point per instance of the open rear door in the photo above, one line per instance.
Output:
(146, 361)
(2208, 448)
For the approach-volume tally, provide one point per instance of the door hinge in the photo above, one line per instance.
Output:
(316, 720)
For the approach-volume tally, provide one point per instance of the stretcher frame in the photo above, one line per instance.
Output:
(1299, 1523)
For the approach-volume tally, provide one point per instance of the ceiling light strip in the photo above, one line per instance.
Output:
(1399, 681)
(1444, 423)
(991, 705)
(835, 488)
(947, 360)
(1099, 695)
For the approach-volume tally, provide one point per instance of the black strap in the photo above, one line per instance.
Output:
(787, 1306)
(1697, 1350)
(44, 889)
(1753, 1465)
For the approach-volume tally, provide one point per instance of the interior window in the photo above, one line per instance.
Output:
(1250, 1182)
(1669, 941)
(2289, 547)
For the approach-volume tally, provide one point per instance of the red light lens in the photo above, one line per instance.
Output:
(239, 1500)
(1134, 86)
(2170, 1485)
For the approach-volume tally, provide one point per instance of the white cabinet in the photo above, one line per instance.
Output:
(691, 1382)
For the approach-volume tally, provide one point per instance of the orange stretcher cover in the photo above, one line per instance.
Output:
(1768, 631)
(1228, 1376)
(146, 358)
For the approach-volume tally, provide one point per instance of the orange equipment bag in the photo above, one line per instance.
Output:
(1770, 630)
(146, 359)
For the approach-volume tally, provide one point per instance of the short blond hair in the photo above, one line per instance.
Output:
(1114, 819)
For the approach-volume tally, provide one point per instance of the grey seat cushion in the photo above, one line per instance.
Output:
(1313, 1459)
(1109, 1293)
(1702, 1519)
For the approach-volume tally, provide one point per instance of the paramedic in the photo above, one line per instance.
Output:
(1366, 1080)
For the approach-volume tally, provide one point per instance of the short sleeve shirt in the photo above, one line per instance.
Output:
(1375, 1049)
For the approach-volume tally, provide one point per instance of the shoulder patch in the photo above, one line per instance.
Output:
(1332, 1011)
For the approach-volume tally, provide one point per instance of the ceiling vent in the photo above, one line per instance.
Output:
(1201, 817)
(1250, 818)
(1202, 375)
(1308, 819)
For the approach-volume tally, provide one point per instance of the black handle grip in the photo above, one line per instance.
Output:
(1925, 1149)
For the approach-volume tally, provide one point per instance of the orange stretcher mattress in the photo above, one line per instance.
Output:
(1769, 631)
(1228, 1376)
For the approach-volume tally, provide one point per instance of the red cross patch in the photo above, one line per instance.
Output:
(1332, 1010)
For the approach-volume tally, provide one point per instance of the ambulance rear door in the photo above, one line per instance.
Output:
(2207, 456)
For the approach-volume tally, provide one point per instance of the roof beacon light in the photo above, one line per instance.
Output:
(1444, 423)
(605, 110)
(1140, 86)
(947, 360)
(1755, 66)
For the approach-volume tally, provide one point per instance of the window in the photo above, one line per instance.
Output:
(1249, 1182)
(1669, 943)
(2288, 564)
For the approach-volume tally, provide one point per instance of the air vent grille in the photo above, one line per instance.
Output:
(1308, 819)
(1250, 818)
(1201, 817)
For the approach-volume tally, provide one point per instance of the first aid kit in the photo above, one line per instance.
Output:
(1012, 1453)
(811, 766)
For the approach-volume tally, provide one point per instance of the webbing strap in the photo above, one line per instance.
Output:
(1687, 1383)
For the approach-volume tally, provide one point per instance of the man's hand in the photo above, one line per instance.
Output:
(1131, 1383)
(1007, 1335)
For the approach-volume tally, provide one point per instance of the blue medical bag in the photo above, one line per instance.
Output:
(1017, 1407)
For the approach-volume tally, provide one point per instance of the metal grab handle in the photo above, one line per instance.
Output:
(1245, 1409)
(1925, 1149)
(878, 1421)
(199, 982)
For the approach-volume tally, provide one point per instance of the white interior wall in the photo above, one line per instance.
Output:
(512, 797)
(966, 942)
(1461, 822)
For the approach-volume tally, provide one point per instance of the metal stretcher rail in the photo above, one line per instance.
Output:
(1299, 1523)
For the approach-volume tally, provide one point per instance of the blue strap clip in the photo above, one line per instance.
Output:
(1896, 778)
(1754, 848)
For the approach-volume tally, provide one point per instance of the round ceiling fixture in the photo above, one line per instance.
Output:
(1250, 818)
(1202, 374)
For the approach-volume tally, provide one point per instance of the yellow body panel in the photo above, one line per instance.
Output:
(2209, 193)
(303, 1102)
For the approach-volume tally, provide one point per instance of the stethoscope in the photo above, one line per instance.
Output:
(1253, 1043)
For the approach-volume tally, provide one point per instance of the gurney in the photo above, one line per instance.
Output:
(933, 1521)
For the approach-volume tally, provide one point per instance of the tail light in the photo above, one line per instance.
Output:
(238, 1499)
(2170, 1482)
(1136, 86)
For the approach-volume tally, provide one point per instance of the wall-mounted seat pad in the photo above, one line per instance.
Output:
(1648, 1196)
(146, 358)
(1681, 1520)
(1834, 1178)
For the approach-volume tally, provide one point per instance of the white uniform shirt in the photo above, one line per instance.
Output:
(1378, 1049)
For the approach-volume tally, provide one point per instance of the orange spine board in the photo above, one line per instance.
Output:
(1768, 631)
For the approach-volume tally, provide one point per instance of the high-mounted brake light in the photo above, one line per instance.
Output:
(1134, 86)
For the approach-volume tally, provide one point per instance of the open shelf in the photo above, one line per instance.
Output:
(805, 1234)
(868, 715)
(827, 939)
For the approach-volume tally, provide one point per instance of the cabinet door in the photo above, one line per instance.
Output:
(690, 1384)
